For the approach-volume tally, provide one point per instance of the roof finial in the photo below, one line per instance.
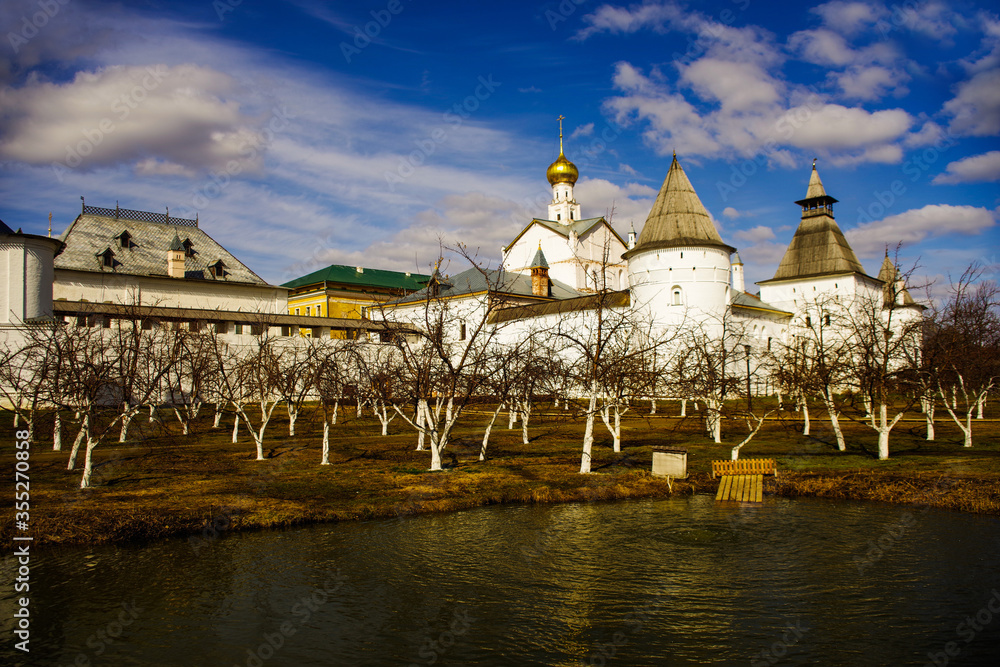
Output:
(814, 163)
(560, 119)
(675, 153)
(50, 224)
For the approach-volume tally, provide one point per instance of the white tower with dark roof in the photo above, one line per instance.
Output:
(679, 267)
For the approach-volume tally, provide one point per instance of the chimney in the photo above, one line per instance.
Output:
(175, 258)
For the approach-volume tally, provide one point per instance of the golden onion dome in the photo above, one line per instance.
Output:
(562, 171)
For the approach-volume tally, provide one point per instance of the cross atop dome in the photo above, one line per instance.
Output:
(562, 174)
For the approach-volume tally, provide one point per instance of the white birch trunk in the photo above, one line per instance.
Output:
(805, 414)
(88, 461)
(735, 453)
(486, 434)
(236, 428)
(126, 420)
(359, 408)
(713, 415)
(152, 413)
(336, 406)
(218, 416)
(652, 406)
(422, 409)
(57, 434)
(883, 427)
(293, 414)
(980, 406)
(511, 416)
(84, 433)
(525, 417)
(588, 433)
(616, 429)
(929, 416)
(831, 410)
(326, 443)
(684, 407)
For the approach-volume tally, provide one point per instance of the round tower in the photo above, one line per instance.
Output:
(680, 269)
(26, 263)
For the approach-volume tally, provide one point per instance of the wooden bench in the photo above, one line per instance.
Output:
(745, 467)
(743, 480)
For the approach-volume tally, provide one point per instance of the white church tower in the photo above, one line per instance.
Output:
(562, 175)
(679, 268)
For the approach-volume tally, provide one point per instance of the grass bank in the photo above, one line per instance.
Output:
(163, 484)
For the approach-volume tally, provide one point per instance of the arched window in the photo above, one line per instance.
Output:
(676, 298)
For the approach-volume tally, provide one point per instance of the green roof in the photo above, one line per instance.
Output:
(349, 275)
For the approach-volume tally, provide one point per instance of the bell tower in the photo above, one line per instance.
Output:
(562, 174)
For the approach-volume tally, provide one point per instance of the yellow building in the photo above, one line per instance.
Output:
(348, 291)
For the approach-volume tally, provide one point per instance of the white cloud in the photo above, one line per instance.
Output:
(627, 169)
(756, 234)
(619, 20)
(849, 17)
(973, 169)
(583, 131)
(731, 213)
(736, 86)
(631, 202)
(832, 126)
(869, 83)
(915, 225)
(183, 114)
(976, 106)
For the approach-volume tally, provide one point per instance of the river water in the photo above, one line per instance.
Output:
(656, 582)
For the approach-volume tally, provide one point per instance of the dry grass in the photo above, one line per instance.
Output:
(164, 484)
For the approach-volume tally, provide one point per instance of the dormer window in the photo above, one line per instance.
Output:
(107, 258)
(124, 240)
(217, 269)
(188, 248)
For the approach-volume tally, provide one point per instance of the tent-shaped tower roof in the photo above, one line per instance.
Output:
(678, 218)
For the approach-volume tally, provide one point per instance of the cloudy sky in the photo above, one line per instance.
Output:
(304, 133)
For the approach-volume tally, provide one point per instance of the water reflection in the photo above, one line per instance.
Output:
(674, 582)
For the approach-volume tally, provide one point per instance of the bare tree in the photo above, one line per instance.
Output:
(882, 346)
(249, 372)
(963, 347)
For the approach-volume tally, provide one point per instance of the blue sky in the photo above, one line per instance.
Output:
(305, 133)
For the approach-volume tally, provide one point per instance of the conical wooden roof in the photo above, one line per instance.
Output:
(818, 247)
(678, 218)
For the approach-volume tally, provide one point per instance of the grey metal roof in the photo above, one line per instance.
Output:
(744, 300)
(678, 218)
(474, 281)
(90, 235)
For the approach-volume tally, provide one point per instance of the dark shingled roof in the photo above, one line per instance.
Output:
(90, 235)
(818, 247)
(349, 275)
(473, 281)
(581, 303)
(678, 218)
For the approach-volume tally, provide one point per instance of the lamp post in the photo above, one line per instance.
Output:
(746, 348)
